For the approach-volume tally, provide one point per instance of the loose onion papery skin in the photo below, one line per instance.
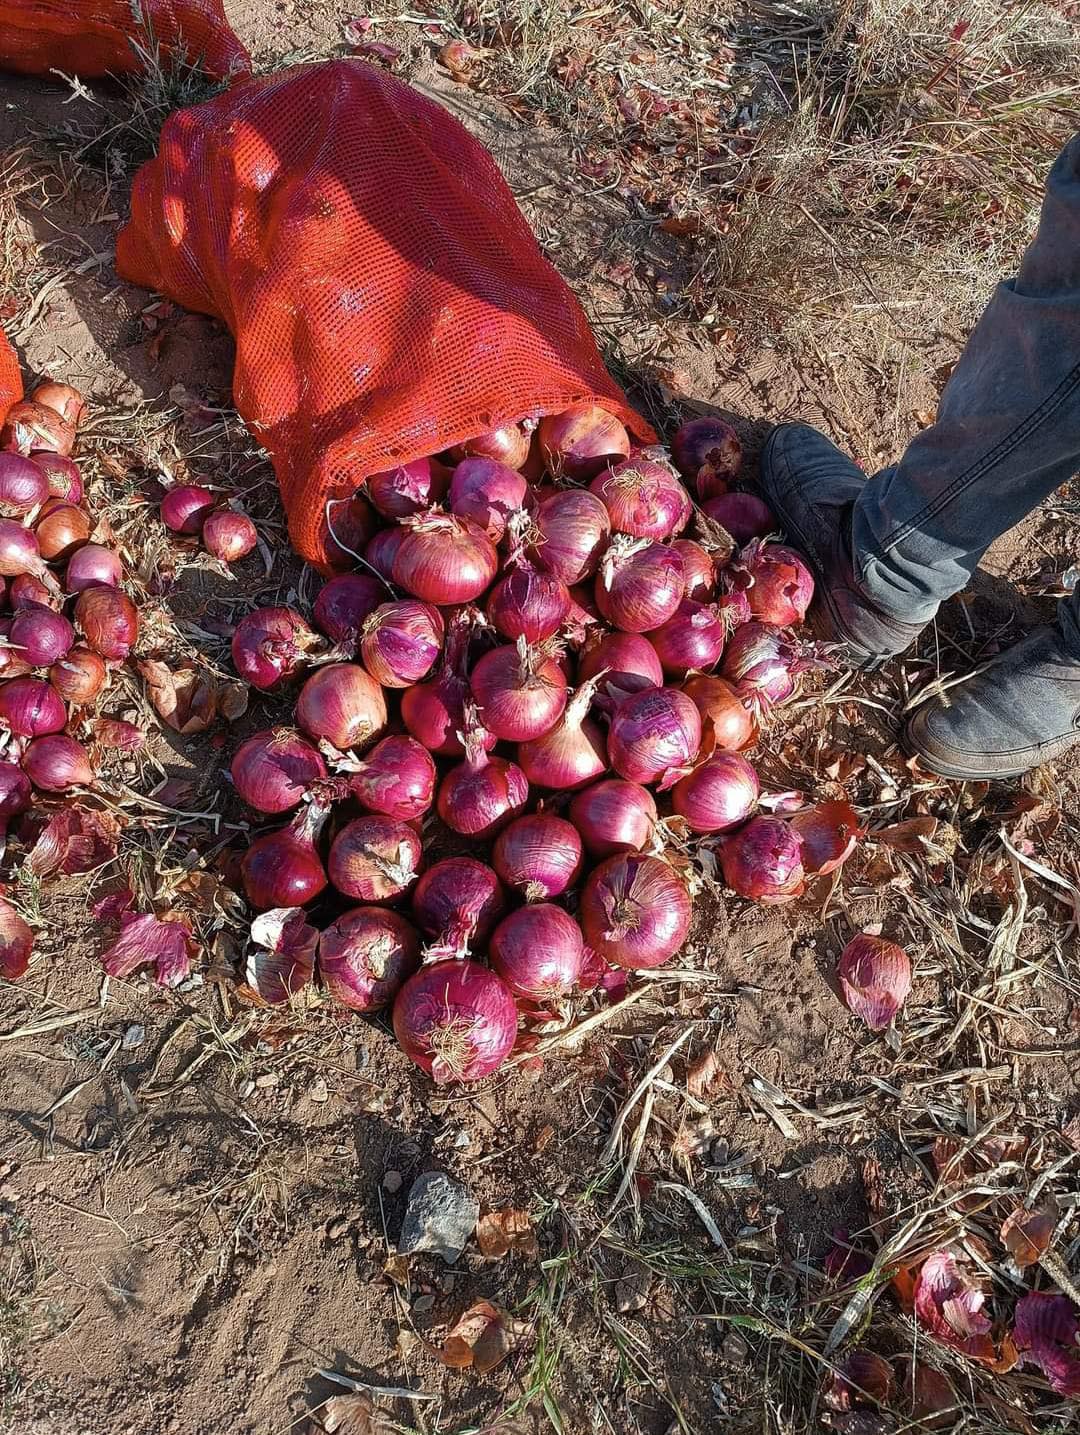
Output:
(763, 861)
(762, 663)
(93, 566)
(16, 793)
(487, 492)
(41, 636)
(481, 794)
(63, 399)
(350, 526)
(31, 707)
(366, 956)
(23, 485)
(344, 603)
(184, 509)
(16, 943)
(539, 856)
(508, 444)
(456, 1020)
(726, 722)
(19, 552)
(692, 640)
(538, 951)
(12, 662)
(699, 570)
(458, 902)
(571, 753)
(614, 816)
(707, 451)
(283, 868)
(407, 489)
(634, 911)
(640, 584)
(574, 528)
(744, 515)
(272, 643)
(30, 427)
(79, 676)
(654, 736)
(382, 549)
(272, 770)
(521, 693)
(343, 704)
(57, 763)
(830, 831)
(627, 662)
(434, 712)
(875, 978)
(396, 779)
(443, 559)
(61, 475)
(374, 859)
(582, 615)
(779, 584)
(528, 603)
(26, 591)
(109, 621)
(581, 442)
(643, 498)
(401, 641)
(733, 610)
(229, 535)
(61, 531)
(718, 795)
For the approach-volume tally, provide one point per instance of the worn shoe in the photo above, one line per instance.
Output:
(1022, 710)
(811, 486)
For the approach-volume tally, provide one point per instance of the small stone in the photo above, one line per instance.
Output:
(247, 1088)
(337, 1228)
(393, 1182)
(462, 1141)
(134, 1036)
(267, 1080)
(422, 1304)
(447, 1283)
(632, 1291)
(441, 1217)
(319, 1091)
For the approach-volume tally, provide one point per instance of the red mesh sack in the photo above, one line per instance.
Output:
(11, 388)
(99, 37)
(387, 298)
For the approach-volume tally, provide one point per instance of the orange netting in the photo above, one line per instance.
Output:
(10, 379)
(103, 37)
(387, 298)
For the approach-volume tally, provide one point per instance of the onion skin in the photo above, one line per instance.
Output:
(574, 530)
(487, 492)
(408, 488)
(42, 636)
(93, 566)
(875, 978)
(270, 644)
(16, 943)
(26, 591)
(344, 603)
(690, 641)
(350, 527)
(538, 951)
(520, 693)
(228, 535)
(707, 452)
(63, 399)
(109, 621)
(458, 901)
(628, 662)
(614, 816)
(528, 603)
(79, 676)
(699, 570)
(726, 722)
(61, 475)
(401, 641)
(508, 444)
(23, 485)
(31, 707)
(366, 956)
(444, 560)
(640, 584)
(643, 498)
(718, 795)
(374, 859)
(743, 515)
(830, 831)
(273, 770)
(635, 912)
(762, 861)
(582, 441)
(396, 779)
(343, 704)
(779, 585)
(482, 794)
(539, 856)
(456, 1020)
(184, 509)
(57, 763)
(654, 736)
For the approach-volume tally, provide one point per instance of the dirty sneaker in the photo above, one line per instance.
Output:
(811, 486)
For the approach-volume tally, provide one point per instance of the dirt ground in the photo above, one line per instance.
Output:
(200, 1200)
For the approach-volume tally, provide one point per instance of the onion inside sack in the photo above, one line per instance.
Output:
(374, 859)
(457, 904)
(635, 911)
(366, 955)
(538, 951)
(507, 444)
(539, 856)
(456, 1020)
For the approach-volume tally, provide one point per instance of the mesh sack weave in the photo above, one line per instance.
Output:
(11, 387)
(99, 37)
(387, 298)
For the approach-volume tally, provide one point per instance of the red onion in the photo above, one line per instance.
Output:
(487, 492)
(396, 779)
(63, 399)
(654, 736)
(520, 692)
(726, 722)
(273, 643)
(628, 662)
(12, 663)
(23, 486)
(708, 451)
(400, 642)
(508, 444)
(643, 498)
(698, 570)
(875, 978)
(283, 868)
(19, 552)
(16, 943)
(350, 525)
(443, 559)
(16, 794)
(42, 636)
(109, 621)
(763, 664)
(571, 753)
(57, 763)
(733, 610)
(344, 603)
(743, 515)
(539, 856)
(763, 861)
(640, 584)
(61, 529)
(409, 488)
(342, 704)
(30, 427)
(229, 535)
(635, 912)
(456, 1020)
(31, 707)
(381, 551)
(528, 603)
(184, 509)
(79, 676)
(117, 734)
(582, 616)
(365, 957)
(718, 795)
(692, 639)
(538, 951)
(777, 583)
(93, 566)
(26, 591)
(374, 859)
(574, 529)
(274, 769)
(62, 476)
(458, 902)
(582, 441)
(483, 793)
(614, 816)
(829, 831)
(434, 712)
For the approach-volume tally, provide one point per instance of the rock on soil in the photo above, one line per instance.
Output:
(441, 1216)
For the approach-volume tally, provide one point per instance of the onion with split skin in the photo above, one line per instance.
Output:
(456, 1020)
(274, 643)
(635, 911)
(374, 859)
(365, 957)
(763, 861)
(624, 663)
(526, 602)
(109, 621)
(62, 476)
(408, 488)
(344, 603)
(488, 493)
(396, 779)
(457, 903)
(401, 641)
(699, 570)
(31, 427)
(707, 452)
(57, 763)
(640, 584)
(31, 707)
(726, 721)
(777, 583)
(691, 640)
(63, 399)
(654, 736)
(79, 676)
(23, 485)
(273, 770)
(434, 712)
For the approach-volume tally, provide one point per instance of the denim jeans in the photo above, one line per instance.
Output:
(1007, 431)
